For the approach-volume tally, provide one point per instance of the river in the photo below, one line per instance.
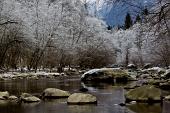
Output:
(108, 95)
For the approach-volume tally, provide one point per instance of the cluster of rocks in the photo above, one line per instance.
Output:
(149, 81)
(75, 98)
(149, 85)
(6, 96)
(156, 76)
(51, 93)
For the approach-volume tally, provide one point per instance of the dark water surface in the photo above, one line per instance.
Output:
(108, 96)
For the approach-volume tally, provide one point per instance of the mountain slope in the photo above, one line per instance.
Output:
(114, 12)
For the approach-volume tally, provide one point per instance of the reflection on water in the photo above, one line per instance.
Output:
(145, 108)
(166, 107)
(16, 87)
(108, 95)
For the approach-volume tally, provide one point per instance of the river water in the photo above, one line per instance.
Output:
(108, 95)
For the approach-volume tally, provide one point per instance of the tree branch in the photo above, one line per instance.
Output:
(9, 22)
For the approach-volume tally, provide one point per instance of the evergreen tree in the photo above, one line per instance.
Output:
(119, 27)
(128, 21)
(109, 27)
(145, 11)
(138, 19)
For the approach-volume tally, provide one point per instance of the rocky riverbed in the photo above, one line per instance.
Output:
(146, 87)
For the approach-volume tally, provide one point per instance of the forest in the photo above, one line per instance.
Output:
(39, 34)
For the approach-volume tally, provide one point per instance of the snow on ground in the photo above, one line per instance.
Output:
(156, 69)
(15, 74)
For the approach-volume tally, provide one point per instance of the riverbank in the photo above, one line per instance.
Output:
(14, 74)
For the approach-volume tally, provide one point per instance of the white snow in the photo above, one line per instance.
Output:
(167, 72)
(90, 72)
(156, 68)
(17, 74)
(98, 70)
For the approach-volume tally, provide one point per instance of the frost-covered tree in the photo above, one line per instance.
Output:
(159, 23)
(47, 34)
(96, 49)
(134, 44)
(124, 40)
(11, 35)
(148, 38)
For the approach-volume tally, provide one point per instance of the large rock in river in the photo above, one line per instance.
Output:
(55, 93)
(4, 95)
(105, 75)
(80, 98)
(28, 98)
(147, 93)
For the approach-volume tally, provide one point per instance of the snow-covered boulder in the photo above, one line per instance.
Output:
(81, 98)
(90, 72)
(105, 75)
(55, 93)
(132, 66)
(154, 70)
